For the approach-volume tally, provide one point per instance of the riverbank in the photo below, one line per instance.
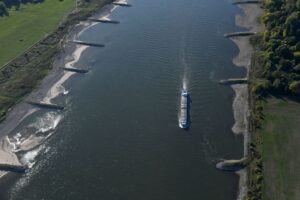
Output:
(250, 21)
(47, 85)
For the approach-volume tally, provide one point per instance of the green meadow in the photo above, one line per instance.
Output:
(26, 26)
(281, 147)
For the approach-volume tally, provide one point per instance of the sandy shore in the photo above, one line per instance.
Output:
(250, 21)
(6, 154)
(50, 88)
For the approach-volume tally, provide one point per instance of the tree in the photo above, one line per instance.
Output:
(298, 4)
(3, 10)
(297, 68)
(260, 87)
(295, 87)
(297, 54)
(292, 23)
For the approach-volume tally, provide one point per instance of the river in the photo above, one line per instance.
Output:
(118, 138)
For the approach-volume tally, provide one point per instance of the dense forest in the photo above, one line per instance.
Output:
(279, 49)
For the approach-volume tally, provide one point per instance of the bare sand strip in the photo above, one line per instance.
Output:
(240, 104)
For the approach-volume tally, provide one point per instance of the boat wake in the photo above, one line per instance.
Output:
(185, 80)
(185, 67)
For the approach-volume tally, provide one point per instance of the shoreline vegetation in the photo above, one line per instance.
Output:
(23, 74)
(274, 87)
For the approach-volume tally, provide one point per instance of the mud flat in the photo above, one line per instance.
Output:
(250, 21)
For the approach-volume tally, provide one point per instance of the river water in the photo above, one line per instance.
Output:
(118, 138)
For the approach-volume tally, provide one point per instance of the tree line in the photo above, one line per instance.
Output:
(279, 48)
(5, 5)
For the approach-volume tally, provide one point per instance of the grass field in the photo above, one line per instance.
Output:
(281, 150)
(24, 27)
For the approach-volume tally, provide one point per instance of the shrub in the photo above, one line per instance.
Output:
(296, 54)
(297, 68)
(261, 87)
(295, 87)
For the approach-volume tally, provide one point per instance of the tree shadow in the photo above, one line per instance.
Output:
(278, 96)
(3, 11)
(294, 98)
(285, 97)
